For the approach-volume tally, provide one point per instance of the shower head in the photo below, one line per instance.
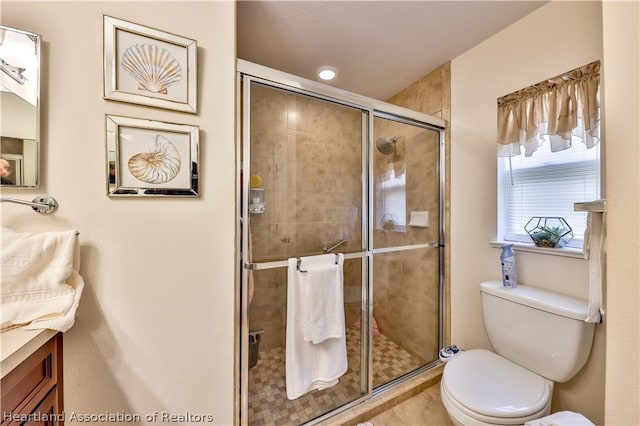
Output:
(386, 145)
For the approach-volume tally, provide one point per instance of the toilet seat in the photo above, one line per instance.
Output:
(491, 389)
(462, 416)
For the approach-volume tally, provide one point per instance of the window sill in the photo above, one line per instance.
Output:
(399, 229)
(532, 248)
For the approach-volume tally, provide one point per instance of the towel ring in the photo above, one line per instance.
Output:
(299, 262)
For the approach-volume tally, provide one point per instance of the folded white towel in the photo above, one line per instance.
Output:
(561, 418)
(41, 286)
(309, 366)
(594, 251)
(323, 312)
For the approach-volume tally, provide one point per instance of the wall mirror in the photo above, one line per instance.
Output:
(19, 108)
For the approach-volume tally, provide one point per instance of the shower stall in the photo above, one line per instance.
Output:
(327, 171)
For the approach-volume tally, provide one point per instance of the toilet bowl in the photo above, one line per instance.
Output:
(479, 387)
(539, 338)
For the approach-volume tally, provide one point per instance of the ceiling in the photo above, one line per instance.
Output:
(378, 47)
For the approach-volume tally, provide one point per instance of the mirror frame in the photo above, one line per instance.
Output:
(7, 81)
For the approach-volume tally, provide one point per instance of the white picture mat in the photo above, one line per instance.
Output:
(133, 140)
(177, 92)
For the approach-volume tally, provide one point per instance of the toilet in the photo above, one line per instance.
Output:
(539, 338)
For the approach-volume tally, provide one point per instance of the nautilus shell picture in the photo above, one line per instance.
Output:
(148, 158)
(160, 164)
(154, 68)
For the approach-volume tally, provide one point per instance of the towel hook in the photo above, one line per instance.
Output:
(298, 263)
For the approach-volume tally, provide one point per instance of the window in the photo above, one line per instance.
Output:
(394, 204)
(547, 184)
(556, 123)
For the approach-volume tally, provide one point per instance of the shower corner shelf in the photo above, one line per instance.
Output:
(257, 208)
(256, 201)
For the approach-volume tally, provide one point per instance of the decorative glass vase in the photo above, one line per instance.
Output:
(552, 232)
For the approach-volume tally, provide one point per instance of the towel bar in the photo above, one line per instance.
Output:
(299, 261)
(347, 256)
(43, 204)
(333, 247)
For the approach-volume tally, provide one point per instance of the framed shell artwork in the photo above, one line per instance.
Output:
(151, 158)
(146, 66)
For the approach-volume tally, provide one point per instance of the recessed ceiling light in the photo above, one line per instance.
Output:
(327, 73)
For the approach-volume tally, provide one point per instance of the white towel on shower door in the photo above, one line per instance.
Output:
(309, 366)
(323, 303)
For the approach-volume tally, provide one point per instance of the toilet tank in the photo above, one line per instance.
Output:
(537, 329)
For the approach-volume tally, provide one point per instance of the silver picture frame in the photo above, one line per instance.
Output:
(146, 66)
(148, 158)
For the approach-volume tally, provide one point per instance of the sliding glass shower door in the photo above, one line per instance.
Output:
(406, 246)
(320, 172)
(306, 179)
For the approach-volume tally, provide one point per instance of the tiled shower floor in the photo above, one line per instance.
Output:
(268, 403)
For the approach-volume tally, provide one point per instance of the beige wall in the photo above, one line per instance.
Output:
(539, 46)
(155, 326)
(621, 23)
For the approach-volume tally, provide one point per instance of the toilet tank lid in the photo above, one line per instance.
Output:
(538, 298)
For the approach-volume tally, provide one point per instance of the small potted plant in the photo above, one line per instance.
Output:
(389, 222)
(552, 232)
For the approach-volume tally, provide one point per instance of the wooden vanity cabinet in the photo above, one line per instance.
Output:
(32, 391)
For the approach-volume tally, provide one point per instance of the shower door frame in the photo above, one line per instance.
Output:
(248, 73)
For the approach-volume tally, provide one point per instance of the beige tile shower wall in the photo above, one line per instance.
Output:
(308, 154)
(429, 95)
(406, 285)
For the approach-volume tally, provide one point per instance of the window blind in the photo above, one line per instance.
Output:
(548, 184)
(394, 199)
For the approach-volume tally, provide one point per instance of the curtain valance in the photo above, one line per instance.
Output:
(561, 107)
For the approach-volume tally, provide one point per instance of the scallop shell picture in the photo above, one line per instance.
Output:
(160, 165)
(152, 66)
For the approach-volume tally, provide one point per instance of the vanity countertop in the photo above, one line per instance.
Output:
(17, 344)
